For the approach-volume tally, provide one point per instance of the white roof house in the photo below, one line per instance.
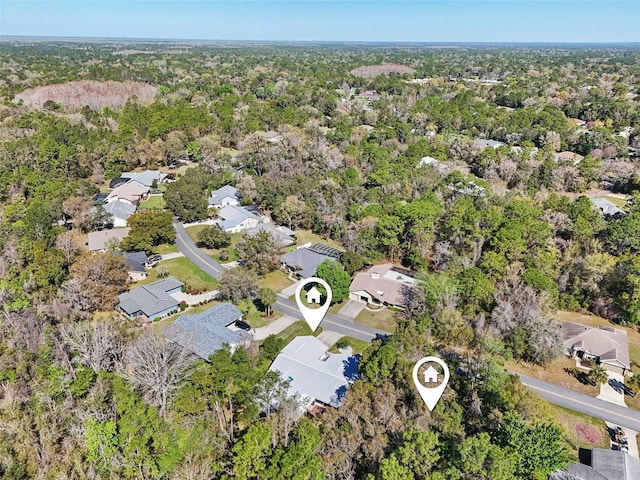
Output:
(314, 373)
(131, 192)
(120, 212)
(224, 196)
(235, 219)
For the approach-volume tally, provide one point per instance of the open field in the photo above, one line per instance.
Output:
(382, 319)
(307, 236)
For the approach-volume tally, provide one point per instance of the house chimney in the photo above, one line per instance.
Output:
(375, 275)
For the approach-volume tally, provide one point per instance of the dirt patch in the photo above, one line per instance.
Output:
(97, 95)
(371, 71)
(588, 434)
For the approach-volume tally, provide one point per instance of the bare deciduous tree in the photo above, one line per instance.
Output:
(156, 367)
(97, 345)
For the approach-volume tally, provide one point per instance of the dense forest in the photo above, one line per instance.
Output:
(328, 138)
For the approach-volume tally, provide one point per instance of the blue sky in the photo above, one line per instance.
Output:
(327, 20)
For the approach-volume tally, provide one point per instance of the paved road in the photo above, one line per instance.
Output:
(334, 323)
(197, 256)
(579, 402)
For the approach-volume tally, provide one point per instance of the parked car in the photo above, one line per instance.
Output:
(243, 325)
(154, 258)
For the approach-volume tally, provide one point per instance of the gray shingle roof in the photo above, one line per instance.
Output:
(609, 464)
(306, 259)
(150, 299)
(312, 371)
(136, 261)
(282, 235)
(607, 207)
(204, 333)
(119, 209)
(610, 344)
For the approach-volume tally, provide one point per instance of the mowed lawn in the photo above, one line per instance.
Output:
(384, 319)
(297, 329)
(154, 201)
(193, 232)
(573, 423)
(185, 271)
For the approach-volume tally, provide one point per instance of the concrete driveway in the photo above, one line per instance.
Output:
(613, 390)
(290, 290)
(274, 327)
(351, 309)
(329, 338)
(195, 299)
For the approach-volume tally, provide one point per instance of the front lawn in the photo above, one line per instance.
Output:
(255, 317)
(307, 236)
(276, 281)
(297, 329)
(184, 270)
(383, 319)
(580, 431)
(166, 248)
(358, 346)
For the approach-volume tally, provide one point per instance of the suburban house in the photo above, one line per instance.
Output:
(149, 302)
(205, 332)
(99, 241)
(132, 192)
(282, 235)
(146, 178)
(135, 265)
(315, 374)
(235, 219)
(303, 261)
(382, 285)
(601, 464)
(438, 165)
(607, 207)
(120, 212)
(224, 196)
(606, 345)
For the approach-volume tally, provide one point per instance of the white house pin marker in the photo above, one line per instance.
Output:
(430, 376)
(313, 316)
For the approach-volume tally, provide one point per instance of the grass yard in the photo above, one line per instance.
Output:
(382, 319)
(254, 316)
(616, 200)
(307, 236)
(573, 423)
(296, 330)
(166, 248)
(276, 281)
(358, 346)
(193, 232)
(186, 272)
(154, 201)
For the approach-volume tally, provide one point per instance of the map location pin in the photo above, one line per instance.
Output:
(313, 316)
(430, 394)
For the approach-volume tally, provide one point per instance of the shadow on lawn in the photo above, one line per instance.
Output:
(581, 376)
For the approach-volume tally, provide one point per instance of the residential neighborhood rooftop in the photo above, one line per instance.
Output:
(145, 178)
(383, 283)
(607, 207)
(151, 299)
(313, 372)
(218, 196)
(607, 343)
(205, 332)
(98, 241)
(130, 191)
(607, 465)
(304, 261)
(119, 210)
(233, 215)
(136, 261)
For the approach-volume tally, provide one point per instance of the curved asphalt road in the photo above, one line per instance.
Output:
(193, 253)
(625, 417)
(563, 397)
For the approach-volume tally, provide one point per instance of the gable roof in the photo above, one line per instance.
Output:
(607, 207)
(98, 240)
(131, 191)
(119, 210)
(384, 283)
(232, 215)
(145, 178)
(484, 143)
(314, 372)
(150, 299)
(610, 344)
(204, 333)
(307, 260)
(223, 192)
(136, 261)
